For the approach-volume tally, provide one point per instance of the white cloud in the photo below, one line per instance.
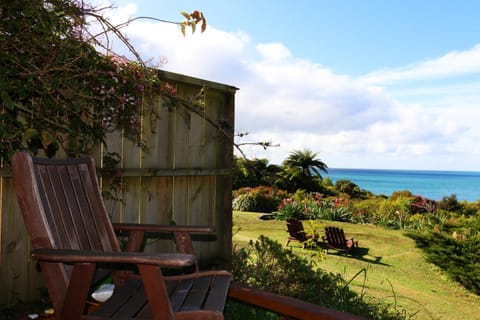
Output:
(349, 122)
(273, 51)
(450, 65)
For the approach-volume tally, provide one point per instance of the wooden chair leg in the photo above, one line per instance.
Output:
(77, 292)
(156, 292)
(184, 244)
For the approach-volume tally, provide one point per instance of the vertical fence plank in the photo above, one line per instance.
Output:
(158, 131)
(131, 158)
(157, 191)
(112, 184)
(18, 277)
(182, 153)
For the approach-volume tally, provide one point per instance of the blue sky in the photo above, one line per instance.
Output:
(365, 84)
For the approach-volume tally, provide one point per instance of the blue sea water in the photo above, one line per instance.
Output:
(431, 184)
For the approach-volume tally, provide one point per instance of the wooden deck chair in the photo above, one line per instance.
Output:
(297, 233)
(72, 238)
(335, 238)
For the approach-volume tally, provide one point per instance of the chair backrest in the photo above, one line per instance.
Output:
(335, 235)
(62, 208)
(296, 230)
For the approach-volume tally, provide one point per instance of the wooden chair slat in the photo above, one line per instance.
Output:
(96, 206)
(180, 293)
(145, 313)
(122, 294)
(133, 306)
(74, 196)
(52, 209)
(83, 204)
(197, 294)
(218, 292)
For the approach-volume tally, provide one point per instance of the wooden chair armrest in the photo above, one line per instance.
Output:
(199, 274)
(182, 235)
(163, 228)
(173, 260)
(353, 241)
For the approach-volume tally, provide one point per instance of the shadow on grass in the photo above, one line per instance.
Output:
(358, 253)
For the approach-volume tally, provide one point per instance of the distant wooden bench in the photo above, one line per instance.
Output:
(335, 238)
(297, 233)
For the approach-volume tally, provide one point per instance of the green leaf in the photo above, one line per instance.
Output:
(30, 134)
(7, 101)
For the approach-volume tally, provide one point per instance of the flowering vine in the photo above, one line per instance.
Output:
(58, 92)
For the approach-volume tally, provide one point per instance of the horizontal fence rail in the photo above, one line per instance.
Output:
(153, 172)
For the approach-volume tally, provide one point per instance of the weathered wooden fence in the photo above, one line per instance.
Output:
(183, 177)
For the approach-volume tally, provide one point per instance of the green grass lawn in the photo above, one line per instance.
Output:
(396, 271)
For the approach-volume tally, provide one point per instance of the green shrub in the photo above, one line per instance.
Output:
(471, 209)
(302, 196)
(457, 253)
(364, 211)
(327, 182)
(401, 194)
(328, 187)
(450, 204)
(266, 265)
(335, 209)
(394, 212)
(315, 207)
(400, 211)
(348, 187)
(290, 209)
(244, 202)
(417, 221)
(259, 199)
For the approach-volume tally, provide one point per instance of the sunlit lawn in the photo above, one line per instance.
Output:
(396, 271)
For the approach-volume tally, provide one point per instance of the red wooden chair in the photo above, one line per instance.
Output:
(73, 239)
(335, 238)
(297, 233)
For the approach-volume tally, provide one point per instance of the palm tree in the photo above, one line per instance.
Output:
(301, 170)
(307, 162)
(253, 172)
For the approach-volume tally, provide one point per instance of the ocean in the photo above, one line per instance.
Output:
(431, 184)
